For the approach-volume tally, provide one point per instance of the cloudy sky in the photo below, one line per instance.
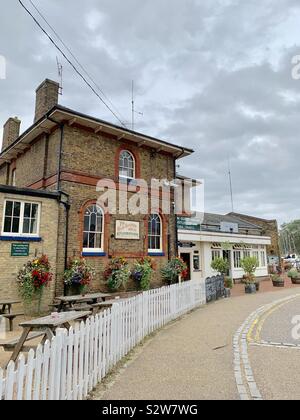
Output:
(215, 75)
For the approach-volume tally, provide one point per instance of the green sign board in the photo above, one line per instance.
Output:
(19, 250)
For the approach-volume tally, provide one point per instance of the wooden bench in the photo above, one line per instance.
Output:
(79, 308)
(11, 318)
(11, 344)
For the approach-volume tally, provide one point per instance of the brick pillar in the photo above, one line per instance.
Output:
(11, 131)
(46, 98)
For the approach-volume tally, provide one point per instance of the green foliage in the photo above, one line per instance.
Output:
(250, 265)
(294, 274)
(79, 273)
(173, 269)
(228, 283)
(276, 278)
(290, 232)
(220, 265)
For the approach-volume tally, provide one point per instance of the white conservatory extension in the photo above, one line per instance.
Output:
(212, 236)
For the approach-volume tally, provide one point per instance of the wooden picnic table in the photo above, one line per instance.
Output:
(6, 304)
(69, 301)
(47, 326)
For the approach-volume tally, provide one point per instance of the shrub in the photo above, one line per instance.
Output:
(249, 265)
(294, 274)
(117, 274)
(173, 269)
(220, 265)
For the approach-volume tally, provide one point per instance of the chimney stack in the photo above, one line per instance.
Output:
(11, 131)
(46, 98)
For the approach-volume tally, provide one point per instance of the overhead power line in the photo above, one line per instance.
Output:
(76, 59)
(68, 60)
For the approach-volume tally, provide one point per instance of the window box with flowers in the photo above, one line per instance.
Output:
(32, 280)
(78, 276)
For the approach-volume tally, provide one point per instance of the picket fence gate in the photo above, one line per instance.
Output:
(75, 361)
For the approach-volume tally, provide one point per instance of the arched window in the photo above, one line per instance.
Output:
(93, 229)
(126, 165)
(154, 233)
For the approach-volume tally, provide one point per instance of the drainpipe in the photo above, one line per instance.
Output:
(62, 127)
(67, 206)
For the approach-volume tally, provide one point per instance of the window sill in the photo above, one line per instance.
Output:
(93, 254)
(20, 238)
(156, 254)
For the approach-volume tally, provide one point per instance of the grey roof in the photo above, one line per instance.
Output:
(212, 219)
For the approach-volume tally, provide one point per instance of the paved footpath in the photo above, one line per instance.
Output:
(239, 348)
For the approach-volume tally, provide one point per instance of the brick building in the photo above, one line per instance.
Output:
(66, 153)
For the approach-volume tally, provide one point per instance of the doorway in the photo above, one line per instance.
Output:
(227, 256)
(186, 257)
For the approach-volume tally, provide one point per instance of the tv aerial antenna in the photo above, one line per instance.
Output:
(60, 75)
(230, 185)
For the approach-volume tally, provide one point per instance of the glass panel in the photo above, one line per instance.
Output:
(33, 226)
(7, 225)
(27, 210)
(17, 208)
(15, 225)
(26, 225)
(86, 223)
(85, 240)
(9, 208)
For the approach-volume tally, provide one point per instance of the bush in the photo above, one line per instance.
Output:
(293, 274)
(228, 283)
(117, 274)
(220, 265)
(175, 267)
(250, 265)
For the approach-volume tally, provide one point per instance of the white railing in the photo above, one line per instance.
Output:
(75, 361)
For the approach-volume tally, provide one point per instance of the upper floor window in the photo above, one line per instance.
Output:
(93, 230)
(20, 218)
(126, 165)
(154, 233)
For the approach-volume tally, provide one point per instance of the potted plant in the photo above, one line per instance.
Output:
(277, 280)
(142, 272)
(249, 265)
(222, 266)
(294, 275)
(175, 268)
(32, 279)
(117, 274)
(78, 276)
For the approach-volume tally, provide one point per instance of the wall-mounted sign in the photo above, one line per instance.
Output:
(19, 250)
(126, 229)
(186, 244)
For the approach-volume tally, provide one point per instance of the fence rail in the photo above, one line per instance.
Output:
(75, 361)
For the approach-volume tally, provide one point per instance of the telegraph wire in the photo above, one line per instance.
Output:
(70, 62)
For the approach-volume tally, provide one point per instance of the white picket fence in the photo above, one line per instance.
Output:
(75, 361)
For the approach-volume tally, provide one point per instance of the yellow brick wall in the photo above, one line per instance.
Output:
(10, 266)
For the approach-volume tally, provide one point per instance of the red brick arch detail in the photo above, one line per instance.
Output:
(106, 225)
(165, 229)
(136, 156)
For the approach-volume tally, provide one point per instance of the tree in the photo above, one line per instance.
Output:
(290, 237)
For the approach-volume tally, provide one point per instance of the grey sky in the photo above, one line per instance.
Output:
(214, 75)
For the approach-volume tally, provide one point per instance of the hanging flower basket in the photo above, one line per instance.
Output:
(32, 279)
(78, 276)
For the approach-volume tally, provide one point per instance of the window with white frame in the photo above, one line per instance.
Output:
(256, 255)
(20, 218)
(237, 259)
(126, 165)
(263, 260)
(215, 253)
(247, 253)
(154, 233)
(93, 229)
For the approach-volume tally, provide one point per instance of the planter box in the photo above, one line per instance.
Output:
(250, 288)
(296, 280)
(278, 283)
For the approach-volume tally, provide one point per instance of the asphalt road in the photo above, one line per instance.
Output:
(196, 358)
